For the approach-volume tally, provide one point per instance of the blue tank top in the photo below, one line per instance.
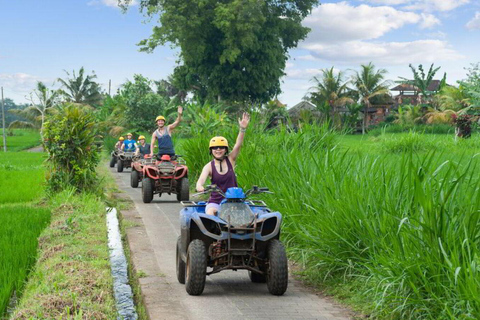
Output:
(165, 143)
(129, 145)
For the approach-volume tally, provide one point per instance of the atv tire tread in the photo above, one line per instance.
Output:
(183, 190)
(113, 161)
(119, 165)
(134, 176)
(147, 190)
(196, 267)
(180, 264)
(277, 273)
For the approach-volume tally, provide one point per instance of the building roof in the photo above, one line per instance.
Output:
(433, 86)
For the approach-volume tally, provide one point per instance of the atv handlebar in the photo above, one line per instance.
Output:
(215, 188)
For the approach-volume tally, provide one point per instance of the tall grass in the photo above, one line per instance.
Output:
(20, 227)
(401, 229)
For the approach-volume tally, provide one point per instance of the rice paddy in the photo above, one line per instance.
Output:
(392, 220)
(20, 221)
(20, 139)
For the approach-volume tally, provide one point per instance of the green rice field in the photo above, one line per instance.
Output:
(21, 220)
(20, 139)
(390, 222)
(20, 227)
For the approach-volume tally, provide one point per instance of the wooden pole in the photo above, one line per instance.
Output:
(3, 125)
(109, 86)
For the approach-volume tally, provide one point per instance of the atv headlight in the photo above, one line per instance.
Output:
(239, 213)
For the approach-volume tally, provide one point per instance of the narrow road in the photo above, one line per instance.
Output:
(152, 231)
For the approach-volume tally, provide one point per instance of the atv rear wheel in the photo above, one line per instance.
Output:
(134, 177)
(257, 277)
(196, 268)
(180, 263)
(277, 272)
(147, 190)
(183, 190)
(119, 165)
(113, 161)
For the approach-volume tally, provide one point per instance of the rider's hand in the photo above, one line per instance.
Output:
(243, 123)
(200, 189)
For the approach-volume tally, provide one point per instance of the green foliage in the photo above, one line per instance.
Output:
(234, 49)
(204, 119)
(143, 105)
(73, 150)
(20, 227)
(421, 80)
(420, 128)
(81, 88)
(411, 142)
(11, 116)
(408, 115)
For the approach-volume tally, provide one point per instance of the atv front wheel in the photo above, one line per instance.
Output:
(277, 272)
(147, 190)
(180, 264)
(134, 177)
(119, 165)
(196, 268)
(113, 161)
(183, 190)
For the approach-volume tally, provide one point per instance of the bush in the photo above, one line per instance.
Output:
(411, 142)
(70, 140)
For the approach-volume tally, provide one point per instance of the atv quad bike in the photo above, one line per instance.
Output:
(165, 176)
(244, 235)
(114, 158)
(137, 169)
(124, 160)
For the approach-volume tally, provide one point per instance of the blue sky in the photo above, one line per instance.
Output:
(41, 39)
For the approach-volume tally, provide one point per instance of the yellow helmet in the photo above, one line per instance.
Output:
(218, 142)
(141, 137)
(129, 134)
(121, 138)
(160, 118)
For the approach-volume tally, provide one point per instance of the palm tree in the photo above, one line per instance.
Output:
(43, 101)
(330, 91)
(81, 89)
(369, 83)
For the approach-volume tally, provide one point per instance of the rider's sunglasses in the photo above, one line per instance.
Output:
(218, 148)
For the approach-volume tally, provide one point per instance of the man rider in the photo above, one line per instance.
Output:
(163, 135)
(142, 148)
(129, 144)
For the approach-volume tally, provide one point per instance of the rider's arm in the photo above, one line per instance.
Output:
(177, 122)
(137, 149)
(243, 123)
(154, 137)
(206, 172)
(122, 147)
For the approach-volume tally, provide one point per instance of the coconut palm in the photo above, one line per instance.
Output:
(452, 98)
(43, 101)
(81, 88)
(369, 83)
(330, 91)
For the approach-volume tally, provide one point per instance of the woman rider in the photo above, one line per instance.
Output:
(142, 148)
(221, 168)
(163, 135)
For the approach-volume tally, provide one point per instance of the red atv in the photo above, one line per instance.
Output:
(165, 176)
(137, 169)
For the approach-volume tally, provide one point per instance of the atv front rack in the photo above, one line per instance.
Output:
(191, 204)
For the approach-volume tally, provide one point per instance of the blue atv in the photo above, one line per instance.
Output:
(244, 235)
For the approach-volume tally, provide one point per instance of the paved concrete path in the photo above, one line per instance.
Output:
(152, 233)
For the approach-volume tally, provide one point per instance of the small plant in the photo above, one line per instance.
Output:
(463, 125)
(70, 140)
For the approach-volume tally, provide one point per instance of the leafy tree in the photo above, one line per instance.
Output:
(233, 50)
(421, 80)
(81, 88)
(143, 104)
(10, 106)
(330, 91)
(471, 85)
(369, 83)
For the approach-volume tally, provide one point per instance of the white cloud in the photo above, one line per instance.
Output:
(307, 57)
(475, 22)
(338, 22)
(298, 73)
(428, 21)
(391, 53)
(109, 3)
(436, 5)
(388, 2)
